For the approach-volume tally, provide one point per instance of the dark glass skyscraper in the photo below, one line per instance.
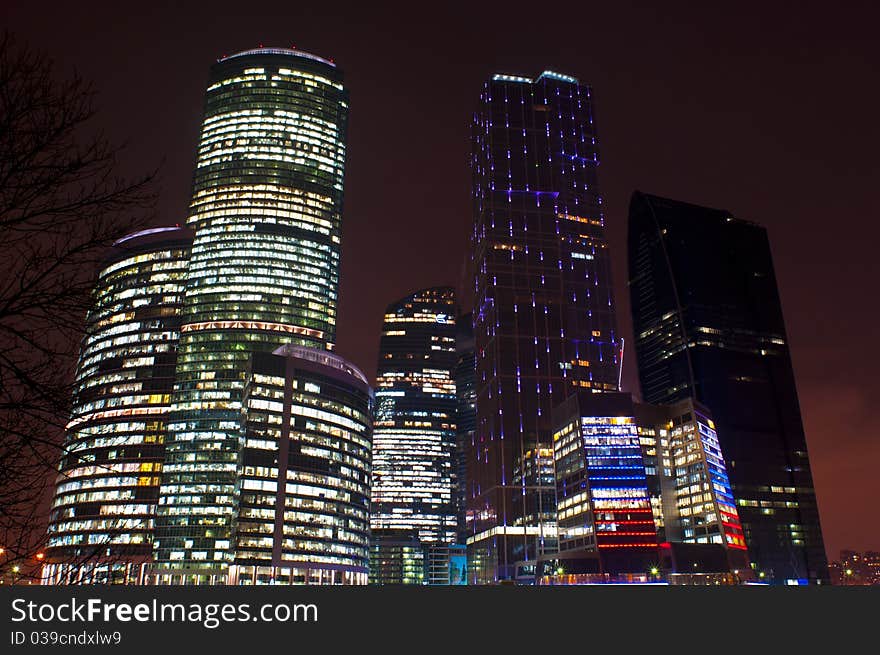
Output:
(267, 211)
(101, 529)
(544, 318)
(466, 415)
(708, 324)
(414, 429)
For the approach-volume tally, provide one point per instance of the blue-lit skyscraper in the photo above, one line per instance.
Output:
(544, 323)
(267, 214)
(466, 415)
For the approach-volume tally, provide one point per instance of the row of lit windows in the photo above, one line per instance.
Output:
(247, 115)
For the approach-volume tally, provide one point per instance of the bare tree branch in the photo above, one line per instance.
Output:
(62, 204)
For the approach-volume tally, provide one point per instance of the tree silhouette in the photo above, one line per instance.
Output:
(62, 204)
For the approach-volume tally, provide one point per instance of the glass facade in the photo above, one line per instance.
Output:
(304, 471)
(544, 321)
(266, 210)
(101, 523)
(688, 477)
(447, 565)
(414, 437)
(466, 415)
(397, 556)
(708, 325)
(601, 485)
(642, 496)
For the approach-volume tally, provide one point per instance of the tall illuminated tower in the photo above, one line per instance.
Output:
(101, 523)
(266, 210)
(414, 433)
(543, 314)
(708, 325)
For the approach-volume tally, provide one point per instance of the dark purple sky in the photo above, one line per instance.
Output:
(772, 113)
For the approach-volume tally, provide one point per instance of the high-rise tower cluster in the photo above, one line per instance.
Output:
(264, 271)
(274, 489)
(216, 438)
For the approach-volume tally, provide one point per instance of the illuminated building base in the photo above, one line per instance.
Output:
(252, 575)
(102, 573)
(596, 578)
(397, 557)
(186, 577)
(507, 554)
(296, 575)
(670, 563)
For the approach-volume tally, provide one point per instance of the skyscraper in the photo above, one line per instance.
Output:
(466, 415)
(267, 211)
(101, 523)
(544, 316)
(414, 433)
(708, 324)
(304, 473)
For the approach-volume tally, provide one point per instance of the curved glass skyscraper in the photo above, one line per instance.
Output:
(267, 211)
(101, 523)
(414, 434)
(304, 474)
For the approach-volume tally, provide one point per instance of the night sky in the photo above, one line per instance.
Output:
(772, 114)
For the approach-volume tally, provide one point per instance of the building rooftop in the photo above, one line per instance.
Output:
(552, 75)
(289, 52)
(323, 358)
